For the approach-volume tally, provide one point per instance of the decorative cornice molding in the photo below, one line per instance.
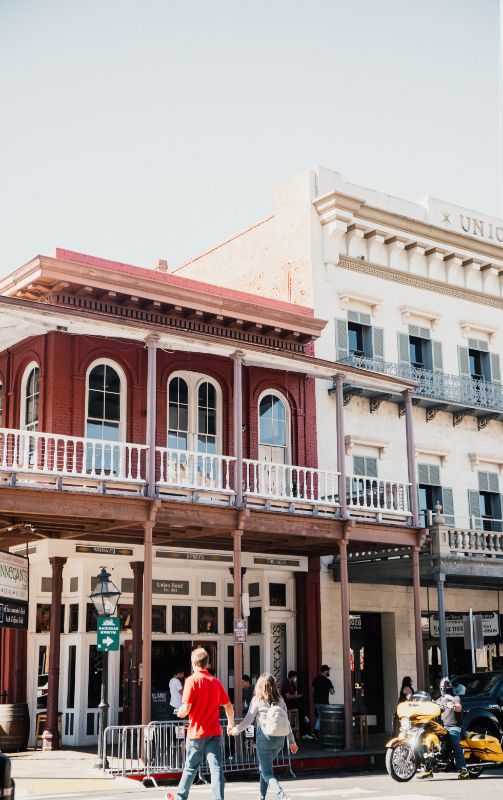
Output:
(418, 282)
(476, 459)
(351, 441)
(474, 327)
(346, 298)
(430, 316)
(432, 451)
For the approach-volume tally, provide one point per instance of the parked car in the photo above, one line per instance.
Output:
(481, 695)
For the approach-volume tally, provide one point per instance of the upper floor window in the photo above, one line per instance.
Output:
(476, 362)
(104, 417)
(417, 349)
(194, 413)
(274, 429)
(485, 504)
(355, 336)
(431, 492)
(30, 396)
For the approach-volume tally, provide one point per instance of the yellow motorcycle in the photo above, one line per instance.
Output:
(423, 742)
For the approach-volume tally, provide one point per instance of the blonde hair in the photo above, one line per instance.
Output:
(266, 689)
(199, 657)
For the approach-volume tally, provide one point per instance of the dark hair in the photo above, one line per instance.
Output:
(246, 678)
(292, 674)
(407, 681)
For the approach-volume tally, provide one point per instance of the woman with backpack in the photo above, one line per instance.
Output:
(269, 709)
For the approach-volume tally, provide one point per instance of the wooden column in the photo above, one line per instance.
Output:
(146, 686)
(238, 648)
(411, 457)
(416, 582)
(151, 341)
(308, 629)
(237, 408)
(346, 646)
(441, 623)
(51, 733)
(341, 444)
(137, 567)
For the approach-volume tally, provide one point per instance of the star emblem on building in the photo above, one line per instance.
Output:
(446, 218)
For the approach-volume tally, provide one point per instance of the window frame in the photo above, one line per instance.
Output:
(24, 384)
(108, 362)
(194, 380)
(288, 423)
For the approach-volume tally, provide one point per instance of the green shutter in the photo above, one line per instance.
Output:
(495, 368)
(403, 349)
(494, 484)
(483, 482)
(464, 362)
(436, 356)
(474, 508)
(365, 319)
(378, 343)
(359, 465)
(371, 467)
(341, 339)
(447, 505)
(434, 475)
(423, 474)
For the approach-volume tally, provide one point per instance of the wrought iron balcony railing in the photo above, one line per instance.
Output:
(438, 385)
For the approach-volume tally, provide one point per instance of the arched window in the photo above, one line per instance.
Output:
(274, 429)
(105, 404)
(30, 396)
(194, 413)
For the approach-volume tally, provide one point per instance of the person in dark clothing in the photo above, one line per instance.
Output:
(247, 692)
(452, 719)
(406, 692)
(322, 688)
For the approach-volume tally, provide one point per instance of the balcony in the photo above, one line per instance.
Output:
(441, 391)
(54, 461)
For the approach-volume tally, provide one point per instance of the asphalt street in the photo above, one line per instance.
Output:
(353, 786)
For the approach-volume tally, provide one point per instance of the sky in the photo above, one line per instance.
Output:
(143, 129)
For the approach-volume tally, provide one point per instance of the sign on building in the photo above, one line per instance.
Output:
(108, 633)
(454, 626)
(240, 631)
(14, 591)
(278, 651)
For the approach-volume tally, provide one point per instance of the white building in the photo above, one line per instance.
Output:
(413, 289)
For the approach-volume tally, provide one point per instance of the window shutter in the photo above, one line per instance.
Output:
(353, 316)
(474, 508)
(403, 349)
(495, 368)
(341, 339)
(359, 465)
(447, 505)
(436, 356)
(364, 319)
(378, 343)
(434, 475)
(483, 481)
(494, 484)
(464, 362)
(424, 333)
(423, 473)
(371, 467)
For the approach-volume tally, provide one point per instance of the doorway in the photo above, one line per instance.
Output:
(366, 669)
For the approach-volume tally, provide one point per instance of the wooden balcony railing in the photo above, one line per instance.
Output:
(291, 484)
(378, 495)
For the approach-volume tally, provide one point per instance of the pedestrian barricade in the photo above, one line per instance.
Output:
(158, 749)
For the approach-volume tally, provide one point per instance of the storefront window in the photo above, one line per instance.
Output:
(254, 589)
(42, 676)
(254, 663)
(181, 619)
(159, 619)
(277, 594)
(228, 620)
(255, 620)
(94, 683)
(70, 695)
(91, 618)
(230, 590)
(73, 624)
(207, 620)
(43, 623)
(208, 589)
(126, 613)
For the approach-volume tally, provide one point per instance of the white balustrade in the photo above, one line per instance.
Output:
(186, 469)
(377, 494)
(56, 455)
(290, 483)
(477, 542)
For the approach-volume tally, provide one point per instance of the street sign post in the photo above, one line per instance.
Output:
(108, 633)
(240, 631)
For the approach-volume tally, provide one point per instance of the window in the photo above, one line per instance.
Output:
(255, 620)
(91, 618)
(73, 624)
(158, 619)
(228, 620)
(485, 505)
(104, 415)
(125, 613)
(254, 589)
(30, 396)
(194, 413)
(274, 434)
(432, 492)
(417, 349)
(94, 682)
(181, 619)
(207, 620)
(70, 692)
(277, 594)
(477, 363)
(43, 619)
(365, 466)
(355, 337)
(208, 589)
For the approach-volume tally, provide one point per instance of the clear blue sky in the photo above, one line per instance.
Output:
(145, 129)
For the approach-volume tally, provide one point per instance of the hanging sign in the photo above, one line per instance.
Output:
(454, 626)
(14, 591)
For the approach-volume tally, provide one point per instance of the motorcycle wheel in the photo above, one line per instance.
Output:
(475, 771)
(401, 763)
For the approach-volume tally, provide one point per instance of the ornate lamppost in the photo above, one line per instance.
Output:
(105, 597)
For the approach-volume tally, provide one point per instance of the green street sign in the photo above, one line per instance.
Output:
(109, 630)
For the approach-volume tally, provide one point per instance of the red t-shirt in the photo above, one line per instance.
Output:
(205, 694)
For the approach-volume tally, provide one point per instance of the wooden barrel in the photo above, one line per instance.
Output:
(14, 726)
(332, 726)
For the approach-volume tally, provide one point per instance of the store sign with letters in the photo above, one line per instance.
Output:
(14, 591)
(454, 624)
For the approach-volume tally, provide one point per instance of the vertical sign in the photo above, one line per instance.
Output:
(14, 577)
(278, 651)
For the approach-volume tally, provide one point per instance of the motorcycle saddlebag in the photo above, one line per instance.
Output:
(484, 747)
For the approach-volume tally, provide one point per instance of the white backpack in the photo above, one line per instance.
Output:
(277, 722)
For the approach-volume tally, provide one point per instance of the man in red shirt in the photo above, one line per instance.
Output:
(202, 697)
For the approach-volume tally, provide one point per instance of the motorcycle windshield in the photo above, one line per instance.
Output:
(418, 711)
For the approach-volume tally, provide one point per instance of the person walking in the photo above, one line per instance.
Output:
(322, 688)
(176, 692)
(269, 710)
(202, 697)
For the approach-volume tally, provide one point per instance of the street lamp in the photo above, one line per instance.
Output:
(105, 597)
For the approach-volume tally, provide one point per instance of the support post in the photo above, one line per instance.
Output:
(101, 761)
(50, 736)
(137, 567)
(411, 456)
(151, 341)
(238, 426)
(441, 624)
(146, 686)
(416, 582)
(341, 453)
(238, 648)
(346, 646)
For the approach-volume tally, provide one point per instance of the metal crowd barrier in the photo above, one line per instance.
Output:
(158, 748)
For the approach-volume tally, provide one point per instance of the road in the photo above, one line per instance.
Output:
(350, 786)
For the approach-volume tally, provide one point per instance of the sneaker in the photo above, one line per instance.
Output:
(308, 736)
(428, 773)
(463, 774)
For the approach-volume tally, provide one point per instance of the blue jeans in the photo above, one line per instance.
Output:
(318, 708)
(197, 749)
(268, 748)
(455, 736)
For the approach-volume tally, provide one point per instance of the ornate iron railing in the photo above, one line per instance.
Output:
(437, 385)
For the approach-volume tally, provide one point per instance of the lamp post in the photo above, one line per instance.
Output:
(105, 597)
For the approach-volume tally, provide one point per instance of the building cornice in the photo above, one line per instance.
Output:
(418, 281)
